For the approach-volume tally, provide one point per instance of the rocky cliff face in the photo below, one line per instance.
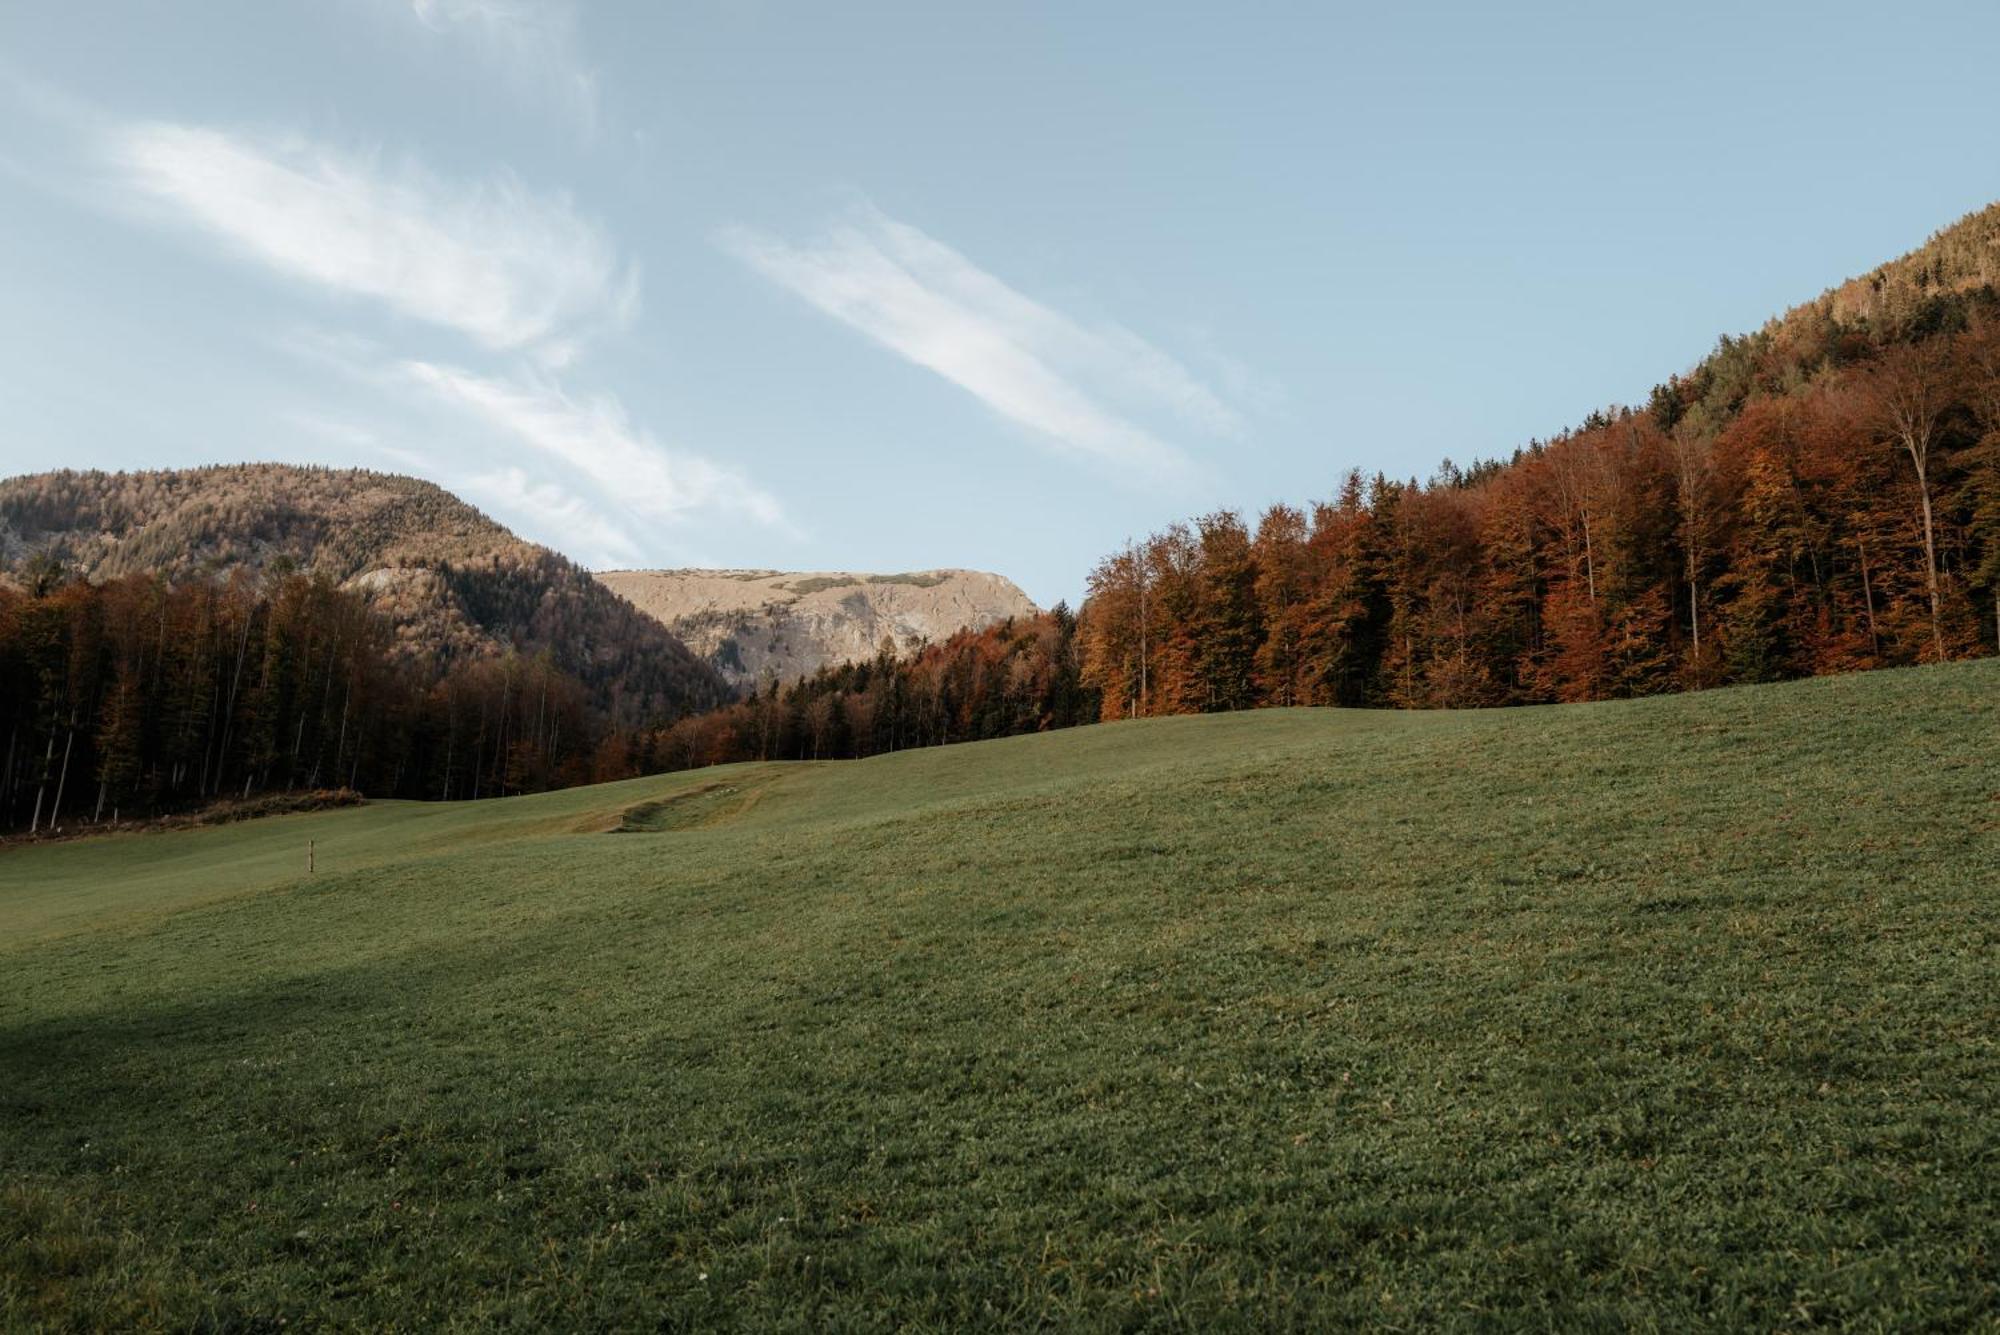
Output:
(754, 625)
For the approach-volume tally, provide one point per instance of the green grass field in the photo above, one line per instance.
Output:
(1676, 1013)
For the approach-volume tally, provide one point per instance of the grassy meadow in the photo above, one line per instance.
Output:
(1672, 1014)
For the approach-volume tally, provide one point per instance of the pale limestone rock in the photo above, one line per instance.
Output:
(756, 625)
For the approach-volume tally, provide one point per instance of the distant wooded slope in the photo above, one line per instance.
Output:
(455, 584)
(1819, 496)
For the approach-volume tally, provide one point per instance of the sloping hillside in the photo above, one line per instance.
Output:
(1960, 258)
(1822, 495)
(1664, 1014)
(1939, 287)
(756, 625)
(454, 583)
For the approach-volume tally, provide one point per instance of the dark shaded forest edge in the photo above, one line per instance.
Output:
(1820, 496)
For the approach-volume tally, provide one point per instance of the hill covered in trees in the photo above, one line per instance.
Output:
(131, 696)
(1820, 496)
(454, 586)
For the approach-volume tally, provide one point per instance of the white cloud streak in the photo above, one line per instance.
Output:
(557, 517)
(596, 439)
(534, 506)
(507, 268)
(1029, 363)
(533, 44)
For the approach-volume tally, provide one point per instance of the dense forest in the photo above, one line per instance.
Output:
(1821, 496)
(132, 696)
(1016, 676)
(454, 585)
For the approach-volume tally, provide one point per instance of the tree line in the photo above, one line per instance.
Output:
(124, 698)
(456, 585)
(1821, 497)
(132, 696)
(1021, 675)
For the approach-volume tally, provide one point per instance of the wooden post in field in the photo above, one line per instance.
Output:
(310, 855)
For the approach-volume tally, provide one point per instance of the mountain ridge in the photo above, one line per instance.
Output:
(453, 582)
(755, 626)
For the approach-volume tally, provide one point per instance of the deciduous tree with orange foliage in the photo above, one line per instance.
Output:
(1818, 497)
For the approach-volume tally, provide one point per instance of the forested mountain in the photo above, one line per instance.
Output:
(1819, 496)
(131, 696)
(454, 586)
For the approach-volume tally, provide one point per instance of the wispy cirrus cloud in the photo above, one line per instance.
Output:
(533, 44)
(544, 509)
(1085, 387)
(506, 267)
(575, 470)
(595, 438)
(527, 493)
(519, 274)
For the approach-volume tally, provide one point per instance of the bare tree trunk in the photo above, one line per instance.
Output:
(1589, 560)
(42, 789)
(1139, 572)
(340, 746)
(478, 750)
(500, 738)
(208, 747)
(69, 741)
(1694, 620)
(1930, 550)
(1912, 395)
(1691, 475)
(1868, 596)
(229, 710)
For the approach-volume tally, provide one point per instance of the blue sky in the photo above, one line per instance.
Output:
(885, 287)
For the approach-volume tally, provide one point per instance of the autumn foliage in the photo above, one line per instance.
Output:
(1821, 497)
(1021, 675)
